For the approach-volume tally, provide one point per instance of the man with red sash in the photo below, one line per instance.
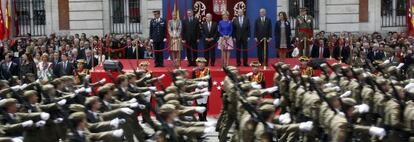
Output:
(256, 75)
(304, 30)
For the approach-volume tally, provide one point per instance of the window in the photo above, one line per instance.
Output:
(31, 17)
(126, 16)
(393, 13)
(313, 10)
(134, 15)
(117, 11)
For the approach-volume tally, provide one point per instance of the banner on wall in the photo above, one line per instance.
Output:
(217, 7)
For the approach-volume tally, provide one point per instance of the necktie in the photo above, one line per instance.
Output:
(241, 21)
(209, 26)
(64, 66)
(321, 52)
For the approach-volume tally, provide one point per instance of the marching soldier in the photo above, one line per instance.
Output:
(304, 68)
(256, 75)
(199, 72)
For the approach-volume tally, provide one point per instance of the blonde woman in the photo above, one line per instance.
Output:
(44, 68)
(174, 30)
(225, 43)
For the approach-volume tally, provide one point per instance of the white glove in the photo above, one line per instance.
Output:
(409, 86)
(62, 102)
(80, 90)
(161, 77)
(22, 87)
(362, 108)
(285, 118)
(200, 109)
(249, 74)
(122, 121)
(346, 94)
(133, 105)
(337, 88)
(88, 90)
(277, 102)
(295, 52)
(377, 131)
(147, 93)
(152, 88)
(400, 65)
(306, 126)
(40, 123)
(133, 100)
(151, 40)
(28, 123)
(272, 89)
(215, 83)
(44, 116)
(205, 77)
(205, 94)
(296, 67)
(147, 75)
(17, 139)
(255, 85)
(209, 130)
(127, 111)
(165, 40)
(386, 62)
(210, 124)
(58, 120)
(102, 81)
(118, 133)
(87, 77)
(202, 84)
(114, 123)
(327, 85)
(15, 88)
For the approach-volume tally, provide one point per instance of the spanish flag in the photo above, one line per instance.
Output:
(8, 20)
(410, 17)
(2, 29)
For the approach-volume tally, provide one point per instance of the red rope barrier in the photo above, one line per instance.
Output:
(194, 50)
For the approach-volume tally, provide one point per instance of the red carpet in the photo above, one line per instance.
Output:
(216, 73)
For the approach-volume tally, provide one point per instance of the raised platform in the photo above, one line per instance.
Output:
(216, 73)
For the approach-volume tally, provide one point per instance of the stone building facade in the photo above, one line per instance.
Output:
(98, 17)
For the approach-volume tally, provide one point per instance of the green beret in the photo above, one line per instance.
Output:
(77, 108)
(255, 93)
(7, 102)
(77, 116)
(167, 108)
(176, 103)
(358, 71)
(171, 89)
(91, 100)
(29, 93)
(348, 102)
(267, 108)
(103, 89)
(253, 100)
(170, 96)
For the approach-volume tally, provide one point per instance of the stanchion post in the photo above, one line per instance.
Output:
(265, 53)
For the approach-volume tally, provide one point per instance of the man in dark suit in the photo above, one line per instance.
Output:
(241, 34)
(191, 34)
(157, 37)
(210, 38)
(131, 52)
(8, 68)
(64, 67)
(376, 53)
(55, 60)
(263, 35)
(341, 52)
(90, 60)
(320, 50)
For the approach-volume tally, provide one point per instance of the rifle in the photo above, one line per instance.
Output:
(174, 79)
(249, 108)
(285, 94)
(337, 76)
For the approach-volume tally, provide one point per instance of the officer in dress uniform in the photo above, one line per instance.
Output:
(304, 30)
(304, 68)
(157, 37)
(201, 71)
(257, 75)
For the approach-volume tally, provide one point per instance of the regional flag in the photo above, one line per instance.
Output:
(2, 30)
(8, 20)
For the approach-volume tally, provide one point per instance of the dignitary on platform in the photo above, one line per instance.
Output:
(263, 36)
(191, 37)
(282, 35)
(157, 37)
(241, 35)
(174, 30)
(304, 30)
(225, 42)
(211, 35)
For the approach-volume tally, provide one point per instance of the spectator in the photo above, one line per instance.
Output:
(27, 65)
